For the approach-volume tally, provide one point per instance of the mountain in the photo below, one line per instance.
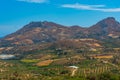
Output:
(108, 27)
(36, 32)
(42, 32)
(50, 51)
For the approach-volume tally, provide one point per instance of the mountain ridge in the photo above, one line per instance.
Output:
(40, 32)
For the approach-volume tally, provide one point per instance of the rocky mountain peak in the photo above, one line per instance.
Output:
(108, 22)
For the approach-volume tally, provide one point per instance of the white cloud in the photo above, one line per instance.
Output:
(34, 1)
(91, 7)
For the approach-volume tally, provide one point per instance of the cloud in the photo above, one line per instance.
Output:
(34, 1)
(91, 7)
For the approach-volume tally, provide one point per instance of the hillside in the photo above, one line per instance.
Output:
(41, 32)
(49, 51)
(43, 35)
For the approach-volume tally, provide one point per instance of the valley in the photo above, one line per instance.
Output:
(50, 51)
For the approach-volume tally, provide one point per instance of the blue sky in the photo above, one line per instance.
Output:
(15, 14)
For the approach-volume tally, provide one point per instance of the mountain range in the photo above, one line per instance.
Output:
(106, 31)
(40, 32)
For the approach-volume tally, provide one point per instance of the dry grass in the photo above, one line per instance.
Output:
(97, 45)
(104, 57)
(44, 63)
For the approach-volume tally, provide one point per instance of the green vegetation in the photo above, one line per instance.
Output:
(29, 60)
(89, 67)
(54, 64)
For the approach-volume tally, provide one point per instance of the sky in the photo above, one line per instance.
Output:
(14, 14)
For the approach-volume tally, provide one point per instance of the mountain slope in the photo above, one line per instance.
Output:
(37, 32)
(108, 27)
(41, 32)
